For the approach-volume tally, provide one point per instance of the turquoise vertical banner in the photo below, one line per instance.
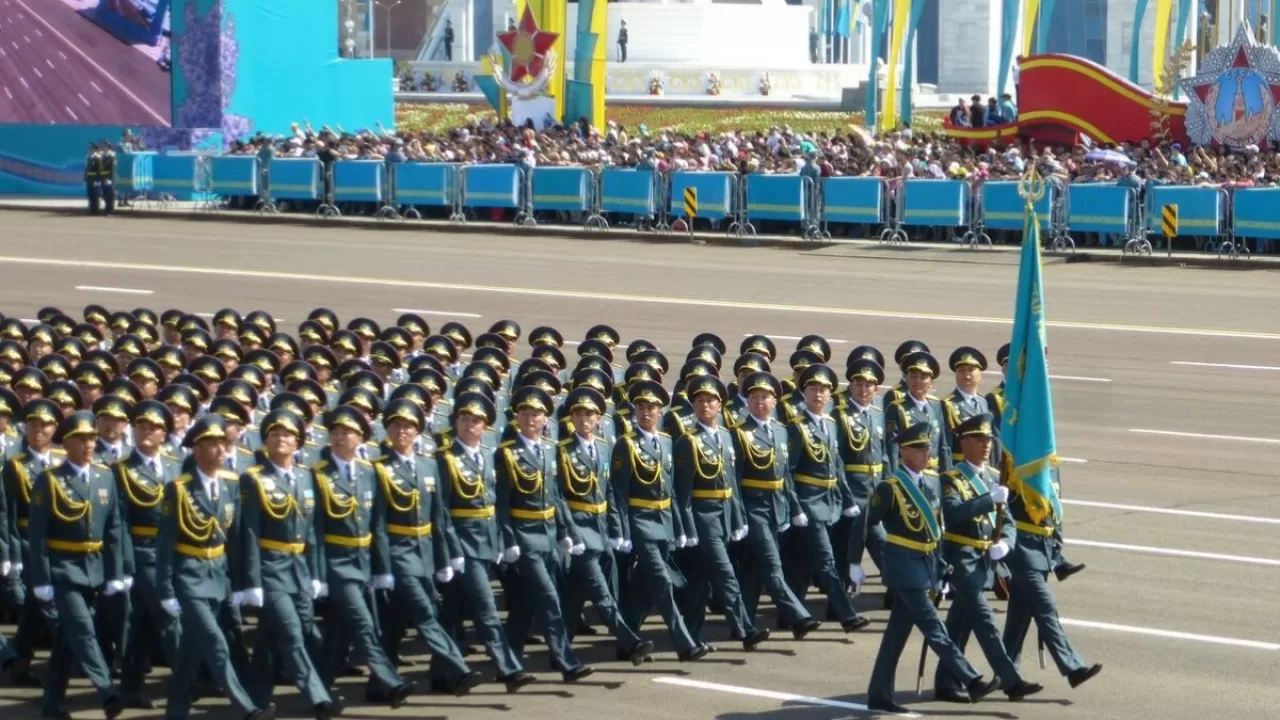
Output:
(1138, 13)
(908, 66)
(879, 24)
(1184, 18)
(1046, 21)
(1008, 41)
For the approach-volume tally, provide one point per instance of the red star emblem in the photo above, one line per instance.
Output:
(527, 46)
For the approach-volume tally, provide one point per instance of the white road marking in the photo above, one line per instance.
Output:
(14, 44)
(3, 53)
(793, 337)
(71, 112)
(62, 55)
(618, 297)
(1171, 634)
(1228, 366)
(1174, 511)
(6, 92)
(1202, 436)
(1173, 552)
(1080, 378)
(48, 62)
(126, 291)
(112, 78)
(27, 38)
(95, 86)
(82, 99)
(1072, 460)
(36, 70)
(436, 312)
(24, 82)
(767, 694)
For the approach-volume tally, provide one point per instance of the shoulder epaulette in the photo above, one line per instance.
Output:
(243, 450)
(898, 399)
(930, 396)
(362, 461)
(380, 459)
(166, 452)
(319, 466)
(506, 443)
(57, 451)
(930, 471)
(19, 457)
(228, 475)
(99, 465)
(665, 435)
(183, 479)
(254, 471)
(566, 442)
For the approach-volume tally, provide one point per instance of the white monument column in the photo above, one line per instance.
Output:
(969, 45)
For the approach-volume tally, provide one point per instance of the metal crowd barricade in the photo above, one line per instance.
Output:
(174, 175)
(632, 192)
(133, 175)
(1201, 211)
(232, 175)
(295, 179)
(855, 200)
(1255, 214)
(429, 185)
(499, 186)
(936, 203)
(361, 181)
(789, 198)
(566, 189)
(1000, 207)
(716, 196)
(1105, 208)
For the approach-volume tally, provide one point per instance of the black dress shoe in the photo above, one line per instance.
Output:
(979, 688)
(266, 713)
(1081, 676)
(640, 652)
(138, 702)
(1062, 572)
(1023, 689)
(886, 706)
(467, 683)
(695, 654)
(576, 675)
(113, 707)
(439, 685)
(327, 710)
(952, 696)
(857, 623)
(517, 681)
(397, 696)
(782, 625)
(348, 671)
(55, 715)
(753, 640)
(800, 631)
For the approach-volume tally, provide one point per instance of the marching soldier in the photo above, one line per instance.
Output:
(704, 463)
(198, 555)
(907, 503)
(918, 405)
(345, 486)
(978, 532)
(860, 427)
(140, 481)
(823, 495)
(112, 417)
(281, 574)
(535, 523)
(964, 401)
(411, 542)
(898, 391)
(641, 474)
(77, 553)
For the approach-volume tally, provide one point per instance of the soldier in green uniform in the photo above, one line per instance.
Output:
(898, 391)
(860, 428)
(107, 179)
(76, 554)
(918, 406)
(345, 487)
(704, 462)
(823, 494)
(978, 532)
(411, 542)
(112, 617)
(92, 171)
(907, 503)
(964, 401)
(33, 456)
(769, 499)
(197, 558)
(140, 481)
(641, 473)
(535, 522)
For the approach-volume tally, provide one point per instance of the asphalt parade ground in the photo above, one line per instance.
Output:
(1166, 382)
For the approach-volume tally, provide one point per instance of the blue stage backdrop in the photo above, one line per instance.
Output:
(238, 67)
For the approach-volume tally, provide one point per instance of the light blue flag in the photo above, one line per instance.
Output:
(1139, 11)
(1027, 423)
(843, 11)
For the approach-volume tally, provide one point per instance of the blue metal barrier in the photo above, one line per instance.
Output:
(428, 185)
(936, 203)
(133, 173)
(1102, 208)
(776, 197)
(358, 180)
(631, 192)
(1199, 209)
(563, 188)
(175, 174)
(1002, 206)
(859, 200)
(294, 179)
(715, 193)
(234, 175)
(1256, 215)
(498, 186)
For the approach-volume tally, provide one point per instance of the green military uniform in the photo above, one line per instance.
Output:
(906, 410)
(863, 444)
(958, 406)
(92, 177)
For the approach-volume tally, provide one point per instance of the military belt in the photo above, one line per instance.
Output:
(924, 547)
(23, 522)
(482, 512)
(282, 547)
(144, 531)
(662, 504)
(773, 485)
(363, 541)
(546, 514)
(589, 508)
(982, 545)
(825, 483)
(202, 553)
(865, 469)
(1034, 529)
(722, 494)
(416, 531)
(68, 546)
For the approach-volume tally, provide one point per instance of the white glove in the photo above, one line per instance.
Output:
(566, 544)
(253, 597)
(128, 582)
(114, 587)
(738, 534)
(323, 592)
(511, 554)
(17, 568)
(946, 588)
(171, 606)
(445, 575)
(691, 542)
(858, 576)
(44, 593)
(458, 564)
(615, 544)
(1000, 494)
(6, 567)
(852, 511)
(800, 520)
(626, 546)
(999, 550)
(681, 542)
(237, 599)
(384, 582)
(578, 549)
(315, 588)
